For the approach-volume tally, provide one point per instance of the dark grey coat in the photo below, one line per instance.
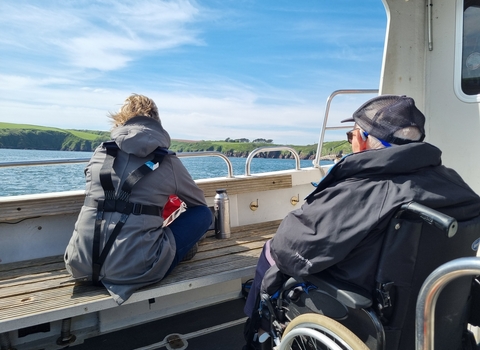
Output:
(144, 250)
(339, 225)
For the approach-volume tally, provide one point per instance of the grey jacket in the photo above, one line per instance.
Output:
(143, 251)
(338, 227)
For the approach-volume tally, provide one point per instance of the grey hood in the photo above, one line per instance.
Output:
(140, 136)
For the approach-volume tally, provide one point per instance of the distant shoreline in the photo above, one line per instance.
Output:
(21, 136)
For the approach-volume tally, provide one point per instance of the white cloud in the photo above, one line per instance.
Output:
(103, 35)
(15, 84)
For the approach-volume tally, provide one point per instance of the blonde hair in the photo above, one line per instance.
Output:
(135, 105)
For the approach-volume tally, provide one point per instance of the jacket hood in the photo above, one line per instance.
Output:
(401, 159)
(140, 136)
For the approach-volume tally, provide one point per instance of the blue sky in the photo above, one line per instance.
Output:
(215, 68)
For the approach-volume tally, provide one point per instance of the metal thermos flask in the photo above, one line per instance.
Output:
(221, 206)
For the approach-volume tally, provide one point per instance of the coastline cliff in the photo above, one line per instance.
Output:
(23, 136)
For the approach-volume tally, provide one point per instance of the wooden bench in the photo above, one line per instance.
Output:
(37, 291)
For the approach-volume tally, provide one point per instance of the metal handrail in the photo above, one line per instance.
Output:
(209, 154)
(85, 160)
(44, 162)
(271, 149)
(428, 295)
(316, 162)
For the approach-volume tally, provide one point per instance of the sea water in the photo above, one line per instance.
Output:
(69, 177)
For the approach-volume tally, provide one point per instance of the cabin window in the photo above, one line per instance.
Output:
(471, 48)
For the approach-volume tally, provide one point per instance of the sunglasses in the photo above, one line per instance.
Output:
(350, 135)
(364, 135)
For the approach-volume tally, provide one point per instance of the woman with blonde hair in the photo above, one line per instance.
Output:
(120, 240)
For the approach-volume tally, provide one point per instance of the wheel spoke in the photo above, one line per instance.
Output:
(317, 332)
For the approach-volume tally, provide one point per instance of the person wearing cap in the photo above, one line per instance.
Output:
(388, 120)
(339, 226)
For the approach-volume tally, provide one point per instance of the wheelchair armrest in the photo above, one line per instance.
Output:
(349, 295)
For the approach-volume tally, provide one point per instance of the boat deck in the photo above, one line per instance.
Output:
(39, 291)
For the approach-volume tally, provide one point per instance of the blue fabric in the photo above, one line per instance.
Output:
(187, 229)
(263, 265)
(384, 143)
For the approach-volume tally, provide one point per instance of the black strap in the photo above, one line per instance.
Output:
(98, 263)
(109, 194)
(400, 141)
(105, 172)
(130, 208)
(119, 203)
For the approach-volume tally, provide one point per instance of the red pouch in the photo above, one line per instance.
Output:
(172, 204)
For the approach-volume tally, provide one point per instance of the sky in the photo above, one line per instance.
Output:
(216, 69)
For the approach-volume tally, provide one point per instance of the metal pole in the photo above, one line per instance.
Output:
(271, 149)
(428, 296)
(316, 162)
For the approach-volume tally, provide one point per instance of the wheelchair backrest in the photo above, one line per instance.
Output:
(411, 250)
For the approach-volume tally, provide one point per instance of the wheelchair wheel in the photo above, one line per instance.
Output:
(318, 332)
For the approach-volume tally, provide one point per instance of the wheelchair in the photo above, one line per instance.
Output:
(320, 312)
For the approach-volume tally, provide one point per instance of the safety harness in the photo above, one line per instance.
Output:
(119, 202)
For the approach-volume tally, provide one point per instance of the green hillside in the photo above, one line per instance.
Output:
(25, 136)
(242, 149)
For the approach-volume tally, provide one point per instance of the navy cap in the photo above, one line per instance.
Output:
(384, 115)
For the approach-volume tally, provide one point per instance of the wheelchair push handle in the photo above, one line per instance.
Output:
(433, 217)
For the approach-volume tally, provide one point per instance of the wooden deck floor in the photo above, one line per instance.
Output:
(38, 291)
